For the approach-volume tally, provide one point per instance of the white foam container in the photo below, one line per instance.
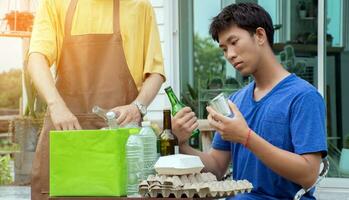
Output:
(178, 164)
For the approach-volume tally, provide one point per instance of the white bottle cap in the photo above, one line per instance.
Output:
(146, 123)
(110, 115)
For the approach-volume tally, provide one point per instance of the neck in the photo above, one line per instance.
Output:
(269, 71)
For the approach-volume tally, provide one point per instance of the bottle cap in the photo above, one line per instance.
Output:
(110, 115)
(146, 123)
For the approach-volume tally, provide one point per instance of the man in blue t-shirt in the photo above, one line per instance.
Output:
(276, 138)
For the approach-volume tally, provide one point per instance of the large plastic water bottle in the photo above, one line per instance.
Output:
(135, 164)
(149, 140)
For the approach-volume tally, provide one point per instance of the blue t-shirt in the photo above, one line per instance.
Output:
(291, 117)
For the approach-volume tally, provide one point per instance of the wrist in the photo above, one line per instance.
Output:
(142, 108)
(183, 146)
(54, 103)
(247, 137)
(183, 143)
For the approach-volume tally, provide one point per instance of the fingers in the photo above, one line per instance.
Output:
(234, 108)
(72, 124)
(214, 123)
(215, 115)
(57, 127)
(121, 119)
(183, 112)
(77, 125)
(194, 126)
(189, 116)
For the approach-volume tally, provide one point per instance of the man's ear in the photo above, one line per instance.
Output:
(261, 36)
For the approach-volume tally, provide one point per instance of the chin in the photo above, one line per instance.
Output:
(245, 72)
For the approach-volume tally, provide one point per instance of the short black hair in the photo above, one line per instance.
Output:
(248, 16)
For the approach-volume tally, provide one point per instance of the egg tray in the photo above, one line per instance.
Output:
(200, 185)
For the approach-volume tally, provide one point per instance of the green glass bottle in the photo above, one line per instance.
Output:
(176, 106)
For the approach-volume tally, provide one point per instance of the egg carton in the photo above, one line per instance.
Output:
(194, 185)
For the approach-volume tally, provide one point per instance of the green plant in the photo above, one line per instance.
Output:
(36, 107)
(10, 88)
(346, 142)
(190, 98)
(5, 175)
(209, 62)
(6, 145)
(301, 5)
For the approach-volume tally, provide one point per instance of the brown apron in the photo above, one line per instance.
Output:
(92, 71)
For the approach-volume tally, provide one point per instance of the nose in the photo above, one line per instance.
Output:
(231, 54)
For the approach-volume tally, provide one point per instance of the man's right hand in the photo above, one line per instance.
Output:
(62, 118)
(183, 124)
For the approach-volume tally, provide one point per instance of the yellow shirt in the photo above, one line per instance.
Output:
(139, 31)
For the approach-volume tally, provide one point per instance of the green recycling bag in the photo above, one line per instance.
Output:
(88, 162)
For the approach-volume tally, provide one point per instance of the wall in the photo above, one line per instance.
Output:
(167, 20)
(345, 92)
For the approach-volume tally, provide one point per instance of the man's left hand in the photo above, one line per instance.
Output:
(231, 129)
(126, 114)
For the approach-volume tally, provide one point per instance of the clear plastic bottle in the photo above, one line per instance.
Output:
(135, 164)
(111, 120)
(149, 140)
(100, 112)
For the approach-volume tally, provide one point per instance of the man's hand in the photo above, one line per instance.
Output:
(126, 114)
(183, 124)
(231, 129)
(62, 118)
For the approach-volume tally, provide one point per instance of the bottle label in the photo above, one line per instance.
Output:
(176, 149)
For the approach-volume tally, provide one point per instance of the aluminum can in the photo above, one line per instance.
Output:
(220, 104)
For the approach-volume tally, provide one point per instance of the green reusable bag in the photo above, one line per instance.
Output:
(89, 162)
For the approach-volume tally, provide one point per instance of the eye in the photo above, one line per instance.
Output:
(234, 42)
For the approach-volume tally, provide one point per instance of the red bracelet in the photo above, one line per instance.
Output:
(248, 137)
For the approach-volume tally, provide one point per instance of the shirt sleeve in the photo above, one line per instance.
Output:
(307, 124)
(153, 52)
(220, 144)
(43, 39)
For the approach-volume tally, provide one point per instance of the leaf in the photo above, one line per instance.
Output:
(193, 93)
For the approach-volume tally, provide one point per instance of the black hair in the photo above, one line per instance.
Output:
(248, 16)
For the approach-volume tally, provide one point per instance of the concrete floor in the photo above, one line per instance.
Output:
(15, 193)
(23, 193)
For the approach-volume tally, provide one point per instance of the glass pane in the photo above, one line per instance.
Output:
(271, 6)
(212, 73)
(334, 23)
(337, 93)
(297, 47)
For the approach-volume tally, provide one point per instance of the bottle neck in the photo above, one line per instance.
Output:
(172, 97)
(167, 120)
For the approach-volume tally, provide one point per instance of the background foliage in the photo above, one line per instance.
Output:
(10, 88)
(209, 62)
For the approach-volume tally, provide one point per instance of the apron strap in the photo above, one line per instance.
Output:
(71, 11)
(69, 18)
(116, 17)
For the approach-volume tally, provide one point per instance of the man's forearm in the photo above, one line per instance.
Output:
(217, 163)
(301, 169)
(150, 89)
(40, 73)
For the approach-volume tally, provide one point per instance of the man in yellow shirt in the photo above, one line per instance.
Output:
(107, 53)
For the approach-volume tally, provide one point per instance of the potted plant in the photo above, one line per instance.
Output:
(344, 158)
(5, 175)
(20, 20)
(26, 131)
(302, 9)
